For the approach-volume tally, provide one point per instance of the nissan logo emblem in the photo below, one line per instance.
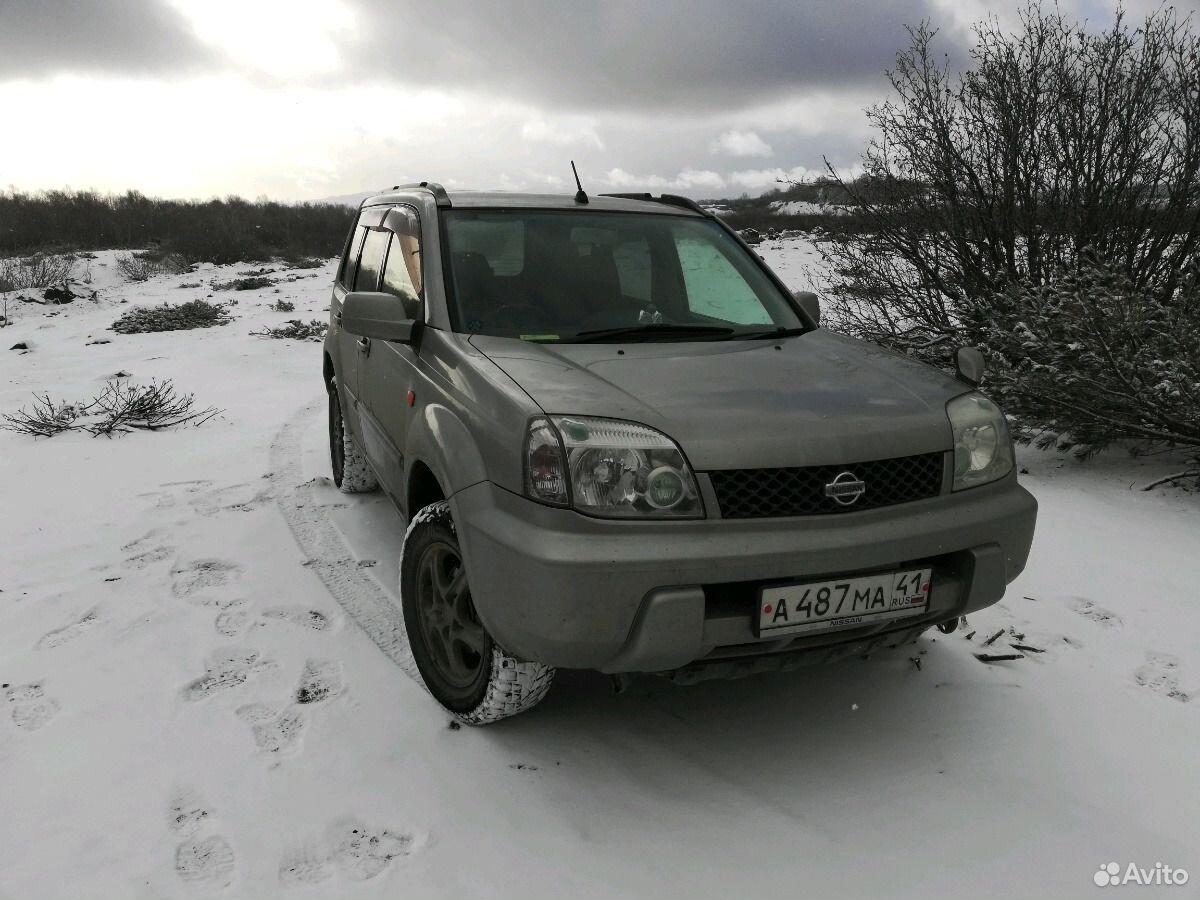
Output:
(846, 489)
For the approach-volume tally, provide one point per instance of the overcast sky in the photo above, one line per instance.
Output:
(304, 99)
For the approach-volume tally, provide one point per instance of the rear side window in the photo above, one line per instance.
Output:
(350, 263)
(370, 262)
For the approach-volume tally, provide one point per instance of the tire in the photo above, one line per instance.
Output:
(351, 471)
(456, 659)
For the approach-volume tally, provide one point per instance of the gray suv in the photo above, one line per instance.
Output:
(622, 444)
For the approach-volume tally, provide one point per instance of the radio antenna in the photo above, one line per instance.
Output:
(580, 196)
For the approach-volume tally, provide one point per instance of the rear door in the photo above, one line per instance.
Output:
(360, 272)
(389, 370)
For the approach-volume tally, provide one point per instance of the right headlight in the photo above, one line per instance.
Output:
(982, 446)
(609, 468)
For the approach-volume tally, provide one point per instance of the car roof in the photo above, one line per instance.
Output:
(514, 200)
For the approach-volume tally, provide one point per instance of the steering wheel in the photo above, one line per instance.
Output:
(517, 315)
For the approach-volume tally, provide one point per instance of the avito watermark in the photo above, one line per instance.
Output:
(1113, 874)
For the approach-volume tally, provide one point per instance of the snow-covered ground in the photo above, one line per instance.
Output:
(170, 599)
(807, 207)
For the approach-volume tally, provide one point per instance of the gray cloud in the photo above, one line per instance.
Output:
(41, 37)
(631, 54)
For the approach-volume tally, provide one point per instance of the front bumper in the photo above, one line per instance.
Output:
(572, 591)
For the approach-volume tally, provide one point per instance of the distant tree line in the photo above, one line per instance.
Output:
(219, 231)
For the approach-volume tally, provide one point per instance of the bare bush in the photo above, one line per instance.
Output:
(1057, 139)
(1093, 359)
(304, 262)
(124, 406)
(296, 330)
(135, 268)
(144, 264)
(185, 316)
(283, 306)
(251, 283)
(46, 418)
(22, 274)
(121, 407)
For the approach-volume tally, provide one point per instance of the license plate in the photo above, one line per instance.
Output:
(843, 602)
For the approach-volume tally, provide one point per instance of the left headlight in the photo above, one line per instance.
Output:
(983, 449)
(615, 469)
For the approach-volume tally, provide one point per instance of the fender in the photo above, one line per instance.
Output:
(439, 439)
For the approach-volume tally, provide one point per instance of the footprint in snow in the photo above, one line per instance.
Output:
(226, 669)
(187, 813)
(298, 615)
(274, 731)
(362, 852)
(320, 680)
(1161, 675)
(149, 557)
(359, 851)
(31, 708)
(170, 498)
(1091, 611)
(202, 575)
(232, 622)
(69, 632)
(305, 864)
(205, 862)
(208, 862)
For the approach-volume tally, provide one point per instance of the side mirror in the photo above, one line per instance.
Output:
(970, 365)
(810, 304)
(374, 314)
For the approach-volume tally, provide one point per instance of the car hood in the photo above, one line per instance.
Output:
(814, 399)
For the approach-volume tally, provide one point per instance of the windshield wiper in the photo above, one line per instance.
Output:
(650, 329)
(774, 333)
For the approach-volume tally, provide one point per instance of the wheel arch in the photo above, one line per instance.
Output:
(422, 488)
(327, 371)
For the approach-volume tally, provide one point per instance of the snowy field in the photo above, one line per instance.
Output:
(197, 635)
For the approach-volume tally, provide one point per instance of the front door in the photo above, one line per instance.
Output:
(388, 370)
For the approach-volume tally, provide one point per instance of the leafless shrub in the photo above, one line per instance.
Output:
(46, 418)
(124, 406)
(134, 268)
(185, 316)
(251, 283)
(144, 264)
(21, 274)
(283, 306)
(311, 262)
(121, 407)
(296, 330)
(1058, 139)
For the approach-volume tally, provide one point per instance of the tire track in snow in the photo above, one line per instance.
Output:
(362, 597)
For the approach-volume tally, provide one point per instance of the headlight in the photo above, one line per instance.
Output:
(610, 468)
(982, 446)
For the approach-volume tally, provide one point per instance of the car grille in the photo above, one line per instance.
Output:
(770, 493)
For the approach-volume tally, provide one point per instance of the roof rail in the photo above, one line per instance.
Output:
(440, 197)
(669, 199)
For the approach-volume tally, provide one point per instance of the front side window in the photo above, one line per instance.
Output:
(567, 276)
(402, 273)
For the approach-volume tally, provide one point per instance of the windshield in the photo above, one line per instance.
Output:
(564, 276)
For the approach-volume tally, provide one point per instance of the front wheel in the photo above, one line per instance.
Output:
(456, 659)
(351, 471)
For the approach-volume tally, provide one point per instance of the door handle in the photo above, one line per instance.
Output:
(364, 345)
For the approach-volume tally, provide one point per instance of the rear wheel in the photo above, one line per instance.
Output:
(351, 471)
(455, 657)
